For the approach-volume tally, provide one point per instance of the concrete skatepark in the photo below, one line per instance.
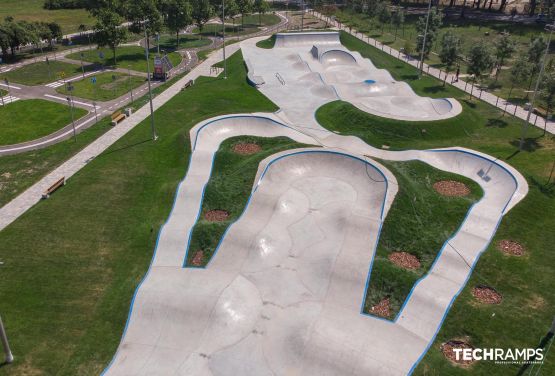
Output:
(284, 292)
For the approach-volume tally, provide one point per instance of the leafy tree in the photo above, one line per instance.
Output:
(504, 48)
(480, 60)
(231, 10)
(202, 12)
(144, 14)
(371, 8)
(521, 70)
(178, 16)
(16, 33)
(435, 21)
(383, 14)
(398, 19)
(535, 54)
(261, 7)
(450, 50)
(244, 6)
(108, 31)
(82, 28)
(547, 92)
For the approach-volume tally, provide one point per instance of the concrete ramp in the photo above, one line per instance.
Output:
(306, 39)
(337, 57)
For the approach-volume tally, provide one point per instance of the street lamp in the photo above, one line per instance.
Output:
(223, 40)
(154, 136)
(424, 40)
(4, 338)
(70, 102)
(549, 28)
(129, 82)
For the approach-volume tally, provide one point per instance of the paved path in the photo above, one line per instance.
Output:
(487, 97)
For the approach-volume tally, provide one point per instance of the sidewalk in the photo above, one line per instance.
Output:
(487, 97)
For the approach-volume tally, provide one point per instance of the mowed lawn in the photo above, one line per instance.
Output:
(41, 72)
(168, 42)
(526, 312)
(132, 57)
(32, 10)
(30, 119)
(72, 263)
(108, 86)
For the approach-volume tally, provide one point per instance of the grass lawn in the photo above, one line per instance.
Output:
(213, 30)
(132, 57)
(30, 119)
(106, 88)
(70, 289)
(525, 314)
(419, 222)
(267, 43)
(229, 188)
(32, 10)
(41, 72)
(169, 42)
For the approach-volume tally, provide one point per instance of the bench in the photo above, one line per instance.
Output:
(117, 117)
(53, 187)
(188, 84)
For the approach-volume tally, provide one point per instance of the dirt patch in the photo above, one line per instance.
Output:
(404, 260)
(6, 175)
(451, 188)
(246, 148)
(510, 247)
(198, 258)
(486, 295)
(382, 309)
(216, 215)
(536, 302)
(448, 351)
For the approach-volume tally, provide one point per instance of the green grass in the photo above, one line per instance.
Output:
(70, 266)
(30, 119)
(132, 57)
(267, 43)
(419, 222)
(32, 10)
(211, 30)
(106, 88)
(41, 72)
(528, 300)
(3, 92)
(229, 188)
(169, 42)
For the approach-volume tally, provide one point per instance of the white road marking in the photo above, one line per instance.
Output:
(10, 86)
(65, 100)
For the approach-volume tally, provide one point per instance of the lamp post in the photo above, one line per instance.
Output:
(4, 338)
(424, 40)
(154, 135)
(531, 108)
(129, 82)
(223, 39)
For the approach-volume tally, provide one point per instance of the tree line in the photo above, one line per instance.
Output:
(14, 34)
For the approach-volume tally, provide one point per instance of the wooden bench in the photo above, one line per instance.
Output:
(117, 117)
(53, 187)
(188, 84)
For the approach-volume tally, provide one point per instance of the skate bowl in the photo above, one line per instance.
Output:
(337, 57)
(306, 39)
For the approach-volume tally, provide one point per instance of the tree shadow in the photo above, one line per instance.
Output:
(409, 77)
(548, 189)
(434, 89)
(469, 103)
(530, 144)
(496, 123)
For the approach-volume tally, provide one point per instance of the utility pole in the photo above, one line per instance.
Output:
(4, 338)
(223, 40)
(154, 136)
(424, 40)
(531, 108)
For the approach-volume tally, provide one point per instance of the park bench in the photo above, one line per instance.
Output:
(117, 117)
(53, 187)
(188, 84)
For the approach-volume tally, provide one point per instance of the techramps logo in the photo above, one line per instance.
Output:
(500, 356)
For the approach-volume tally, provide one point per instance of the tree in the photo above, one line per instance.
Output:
(398, 19)
(535, 54)
(450, 50)
(108, 31)
(55, 32)
(547, 92)
(82, 28)
(202, 12)
(371, 8)
(436, 18)
(520, 72)
(231, 10)
(17, 33)
(178, 16)
(504, 48)
(261, 7)
(244, 6)
(144, 14)
(383, 14)
(480, 60)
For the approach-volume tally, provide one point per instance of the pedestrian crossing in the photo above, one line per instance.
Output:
(7, 99)
(55, 84)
